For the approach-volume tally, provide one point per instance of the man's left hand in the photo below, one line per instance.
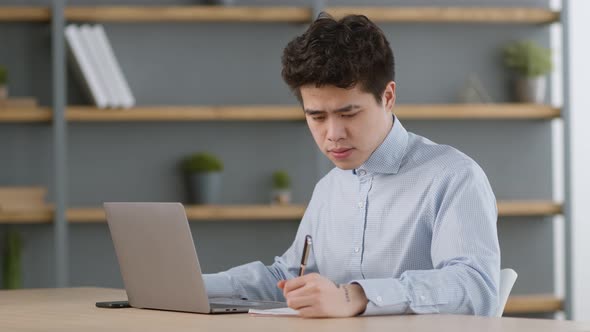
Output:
(316, 296)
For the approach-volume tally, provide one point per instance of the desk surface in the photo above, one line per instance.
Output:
(73, 309)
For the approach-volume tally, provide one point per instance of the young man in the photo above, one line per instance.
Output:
(402, 224)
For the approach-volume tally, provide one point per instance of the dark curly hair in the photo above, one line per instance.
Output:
(343, 53)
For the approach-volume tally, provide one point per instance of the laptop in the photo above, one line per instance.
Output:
(159, 262)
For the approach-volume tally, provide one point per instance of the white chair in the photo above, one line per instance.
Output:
(507, 279)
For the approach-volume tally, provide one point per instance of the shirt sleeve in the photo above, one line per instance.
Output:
(464, 250)
(256, 281)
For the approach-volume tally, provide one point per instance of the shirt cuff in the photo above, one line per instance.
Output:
(219, 285)
(386, 296)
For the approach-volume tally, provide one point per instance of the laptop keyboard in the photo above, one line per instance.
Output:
(237, 303)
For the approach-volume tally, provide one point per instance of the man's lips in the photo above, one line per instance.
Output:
(339, 150)
(341, 153)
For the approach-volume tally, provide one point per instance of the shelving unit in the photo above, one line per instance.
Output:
(62, 115)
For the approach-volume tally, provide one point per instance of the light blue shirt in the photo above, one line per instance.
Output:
(414, 226)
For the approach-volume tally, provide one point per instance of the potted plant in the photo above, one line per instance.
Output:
(281, 185)
(531, 63)
(203, 172)
(11, 269)
(3, 83)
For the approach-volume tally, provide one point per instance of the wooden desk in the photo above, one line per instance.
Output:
(73, 309)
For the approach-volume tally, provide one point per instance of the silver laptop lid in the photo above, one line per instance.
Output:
(157, 256)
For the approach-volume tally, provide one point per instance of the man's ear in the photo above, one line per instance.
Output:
(388, 99)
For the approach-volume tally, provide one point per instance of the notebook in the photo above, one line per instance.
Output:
(274, 312)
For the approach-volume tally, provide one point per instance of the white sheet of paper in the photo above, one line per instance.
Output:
(274, 312)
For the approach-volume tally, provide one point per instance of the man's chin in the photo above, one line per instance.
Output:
(346, 165)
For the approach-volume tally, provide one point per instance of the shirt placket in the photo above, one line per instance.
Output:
(357, 249)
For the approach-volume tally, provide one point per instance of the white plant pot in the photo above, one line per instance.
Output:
(3, 91)
(281, 196)
(531, 89)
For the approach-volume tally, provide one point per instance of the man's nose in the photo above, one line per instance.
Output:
(336, 130)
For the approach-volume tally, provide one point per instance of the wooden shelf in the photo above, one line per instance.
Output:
(527, 304)
(19, 114)
(295, 212)
(292, 14)
(24, 14)
(196, 213)
(528, 208)
(277, 113)
(206, 213)
(187, 113)
(506, 111)
(39, 216)
(530, 15)
(294, 113)
(188, 14)
(255, 212)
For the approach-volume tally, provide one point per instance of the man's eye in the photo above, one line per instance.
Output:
(318, 117)
(348, 115)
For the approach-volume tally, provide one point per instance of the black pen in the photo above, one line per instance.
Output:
(306, 249)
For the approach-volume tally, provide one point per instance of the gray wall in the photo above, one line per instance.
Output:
(225, 64)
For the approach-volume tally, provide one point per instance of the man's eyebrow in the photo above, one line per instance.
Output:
(344, 109)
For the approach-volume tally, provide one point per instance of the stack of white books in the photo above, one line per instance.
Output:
(98, 67)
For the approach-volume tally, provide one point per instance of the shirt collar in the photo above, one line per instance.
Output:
(388, 156)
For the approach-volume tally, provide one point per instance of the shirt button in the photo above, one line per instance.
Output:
(362, 172)
(422, 297)
(379, 299)
(356, 249)
(361, 205)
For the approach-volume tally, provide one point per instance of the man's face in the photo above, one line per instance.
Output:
(347, 124)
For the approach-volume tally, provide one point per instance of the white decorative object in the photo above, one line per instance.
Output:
(97, 61)
(3, 91)
(125, 97)
(83, 64)
(281, 196)
(531, 89)
(473, 92)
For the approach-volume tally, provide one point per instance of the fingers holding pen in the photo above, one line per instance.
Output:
(307, 281)
(300, 302)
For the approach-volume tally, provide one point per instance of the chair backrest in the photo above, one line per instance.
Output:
(507, 279)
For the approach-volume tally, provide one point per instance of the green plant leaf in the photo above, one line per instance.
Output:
(281, 180)
(527, 58)
(11, 269)
(3, 75)
(202, 162)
